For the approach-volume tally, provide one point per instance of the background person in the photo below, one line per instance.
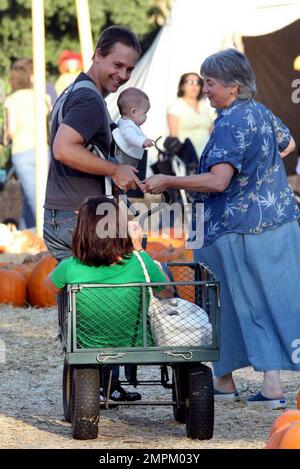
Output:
(190, 116)
(69, 66)
(20, 129)
(252, 238)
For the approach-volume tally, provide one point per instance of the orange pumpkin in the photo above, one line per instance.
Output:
(23, 269)
(38, 294)
(168, 242)
(26, 241)
(162, 253)
(277, 435)
(184, 274)
(291, 437)
(13, 287)
(288, 416)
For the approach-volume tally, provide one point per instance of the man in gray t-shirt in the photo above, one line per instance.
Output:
(75, 172)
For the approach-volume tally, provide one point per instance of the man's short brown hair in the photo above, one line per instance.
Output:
(110, 36)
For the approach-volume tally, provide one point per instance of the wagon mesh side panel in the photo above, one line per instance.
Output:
(109, 317)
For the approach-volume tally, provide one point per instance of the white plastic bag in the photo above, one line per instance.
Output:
(178, 322)
(175, 321)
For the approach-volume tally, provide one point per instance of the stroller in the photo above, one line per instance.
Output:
(176, 159)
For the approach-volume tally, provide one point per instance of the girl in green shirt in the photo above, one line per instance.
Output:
(103, 254)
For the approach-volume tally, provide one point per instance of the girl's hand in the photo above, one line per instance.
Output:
(136, 234)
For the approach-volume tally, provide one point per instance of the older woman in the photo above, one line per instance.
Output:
(251, 236)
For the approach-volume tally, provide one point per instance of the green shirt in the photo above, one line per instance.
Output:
(108, 317)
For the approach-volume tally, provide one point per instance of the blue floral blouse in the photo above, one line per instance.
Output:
(248, 136)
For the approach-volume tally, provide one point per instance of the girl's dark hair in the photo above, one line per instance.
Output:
(101, 236)
(182, 81)
(110, 36)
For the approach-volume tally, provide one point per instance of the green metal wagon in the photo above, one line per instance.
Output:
(88, 316)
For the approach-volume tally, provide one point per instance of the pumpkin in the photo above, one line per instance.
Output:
(162, 253)
(184, 274)
(6, 237)
(38, 294)
(277, 435)
(13, 287)
(26, 241)
(288, 416)
(291, 437)
(168, 242)
(298, 400)
(23, 269)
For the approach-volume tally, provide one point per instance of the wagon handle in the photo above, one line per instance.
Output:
(185, 355)
(102, 358)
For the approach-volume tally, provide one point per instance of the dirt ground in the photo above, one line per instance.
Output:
(31, 405)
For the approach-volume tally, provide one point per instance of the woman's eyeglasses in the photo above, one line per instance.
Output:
(193, 82)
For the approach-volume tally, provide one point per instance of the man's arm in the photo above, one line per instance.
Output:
(68, 148)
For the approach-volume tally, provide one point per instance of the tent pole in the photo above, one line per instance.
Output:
(41, 150)
(85, 34)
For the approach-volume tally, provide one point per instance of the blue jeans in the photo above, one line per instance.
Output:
(24, 165)
(58, 229)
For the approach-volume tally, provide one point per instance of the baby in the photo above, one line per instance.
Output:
(130, 141)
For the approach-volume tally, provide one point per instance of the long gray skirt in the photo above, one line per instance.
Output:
(260, 298)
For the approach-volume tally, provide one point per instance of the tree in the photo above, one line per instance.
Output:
(142, 16)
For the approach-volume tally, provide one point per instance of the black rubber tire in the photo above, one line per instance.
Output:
(182, 377)
(67, 380)
(200, 403)
(85, 403)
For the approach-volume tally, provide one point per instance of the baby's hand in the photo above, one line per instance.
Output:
(148, 143)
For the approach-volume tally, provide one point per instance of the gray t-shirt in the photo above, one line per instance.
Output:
(84, 111)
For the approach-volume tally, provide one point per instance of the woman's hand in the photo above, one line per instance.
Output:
(156, 184)
(136, 234)
(291, 147)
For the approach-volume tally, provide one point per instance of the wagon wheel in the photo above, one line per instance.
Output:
(85, 403)
(200, 403)
(67, 389)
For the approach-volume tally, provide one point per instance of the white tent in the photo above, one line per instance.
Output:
(194, 30)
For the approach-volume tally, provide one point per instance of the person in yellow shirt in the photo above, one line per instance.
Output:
(190, 116)
(20, 131)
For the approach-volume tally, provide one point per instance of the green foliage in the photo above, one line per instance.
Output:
(61, 26)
